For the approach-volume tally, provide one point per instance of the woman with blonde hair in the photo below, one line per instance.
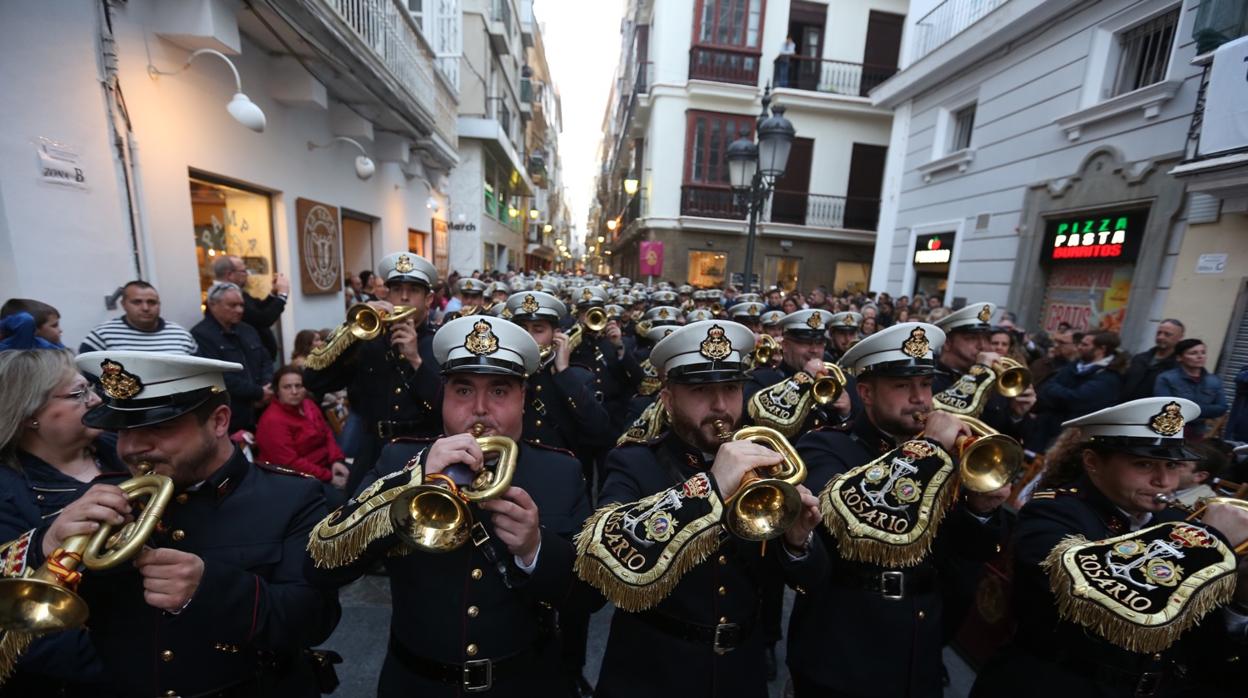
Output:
(49, 459)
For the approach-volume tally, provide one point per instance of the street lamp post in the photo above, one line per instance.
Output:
(754, 168)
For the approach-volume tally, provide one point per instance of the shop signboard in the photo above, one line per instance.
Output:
(1087, 297)
(1111, 237)
(320, 247)
(933, 249)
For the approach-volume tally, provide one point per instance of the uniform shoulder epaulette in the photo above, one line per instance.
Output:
(1055, 492)
(413, 439)
(547, 447)
(282, 469)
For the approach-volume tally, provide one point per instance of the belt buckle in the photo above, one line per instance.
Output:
(487, 681)
(1149, 683)
(727, 636)
(890, 580)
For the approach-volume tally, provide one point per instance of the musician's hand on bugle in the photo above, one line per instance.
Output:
(99, 504)
(1022, 404)
(515, 519)
(814, 367)
(563, 352)
(448, 451)
(987, 358)
(736, 458)
(170, 577)
(945, 429)
(983, 503)
(404, 339)
(1231, 521)
(381, 306)
(842, 405)
(799, 533)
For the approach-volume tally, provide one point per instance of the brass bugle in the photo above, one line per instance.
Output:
(434, 516)
(595, 321)
(829, 385)
(366, 322)
(766, 502)
(1228, 493)
(988, 460)
(765, 350)
(46, 602)
(1013, 378)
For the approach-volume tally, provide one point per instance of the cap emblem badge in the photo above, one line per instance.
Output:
(985, 314)
(848, 320)
(481, 340)
(530, 304)
(537, 285)
(916, 347)
(716, 346)
(505, 313)
(119, 384)
(404, 264)
(1169, 421)
(664, 314)
(587, 295)
(815, 321)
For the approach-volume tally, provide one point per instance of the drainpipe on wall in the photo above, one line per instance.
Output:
(122, 135)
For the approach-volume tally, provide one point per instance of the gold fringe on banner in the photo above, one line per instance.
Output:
(340, 538)
(1119, 630)
(785, 405)
(12, 645)
(884, 553)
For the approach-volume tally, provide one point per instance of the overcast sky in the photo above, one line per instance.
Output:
(582, 45)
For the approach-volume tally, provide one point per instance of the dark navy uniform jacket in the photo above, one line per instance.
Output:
(254, 610)
(1052, 657)
(642, 660)
(561, 410)
(853, 641)
(30, 498)
(455, 607)
(820, 415)
(614, 377)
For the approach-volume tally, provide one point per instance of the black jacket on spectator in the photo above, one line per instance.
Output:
(241, 345)
(261, 314)
(1142, 374)
(1069, 394)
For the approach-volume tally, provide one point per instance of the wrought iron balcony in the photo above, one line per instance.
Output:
(946, 21)
(791, 207)
(833, 77)
(738, 66)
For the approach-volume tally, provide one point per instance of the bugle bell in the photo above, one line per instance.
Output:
(766, 502)
(365, 322)
(1226, 493)
(434, 516)
(46, 602)
(988, 460)
(1013, 378)
(765, 350)
(595, 321)
(829, 384)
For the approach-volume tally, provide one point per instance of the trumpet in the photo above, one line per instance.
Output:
(595, 322)
(766, 502)
(1226, 492)
(766, 350)
(1013, 378)
(365, 322)
(988, 460)
(46, 601)
(829, 385)
(434, 516)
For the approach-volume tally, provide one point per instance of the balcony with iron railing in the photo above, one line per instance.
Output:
(827, 76)
(790, 207)
(738, 66)
(945, 21)
(394, 39)
(643, 76)
(501, 27)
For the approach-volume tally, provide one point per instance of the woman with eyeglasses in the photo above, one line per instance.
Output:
(48, 459)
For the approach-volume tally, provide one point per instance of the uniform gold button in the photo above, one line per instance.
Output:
(723, 559)
(473, 611)
(476, 573)
(723, 591)
(171, 693)
(396, 408)
(181, 499)
(723, 619)
(471, 650)
(922, 615)
(537, 441)
(537, 388)
(39, 498)
(166, 656)
(1157, 657)
(179, 534)
(538, 423)
(398, 391)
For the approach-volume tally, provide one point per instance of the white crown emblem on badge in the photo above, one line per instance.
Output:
(481, 340)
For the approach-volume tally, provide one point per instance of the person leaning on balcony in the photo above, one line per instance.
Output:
(782, 64)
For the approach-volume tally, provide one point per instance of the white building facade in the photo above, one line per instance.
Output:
(164, 179)
(1031, 156)
(690, 79)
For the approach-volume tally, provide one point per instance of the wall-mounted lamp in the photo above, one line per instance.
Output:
(612, 224)
(534, 213)
(364, 167)
(630, 186)
(240, 107)
(547, 228)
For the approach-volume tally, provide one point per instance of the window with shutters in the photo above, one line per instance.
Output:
(706, 191)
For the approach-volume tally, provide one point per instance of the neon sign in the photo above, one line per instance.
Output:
(932, 249)
(1110, 237)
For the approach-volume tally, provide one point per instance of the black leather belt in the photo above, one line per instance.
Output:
(893, 585)
(473, 676)
(722, 638)
(1159, 678)
(389, 429)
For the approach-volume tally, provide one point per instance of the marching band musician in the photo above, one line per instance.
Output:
(392, 380)
(703, 624)
(891, 507)
(217, 602)
(770, 320)
(616, 371)
(781, 397)
(1109, 580)
(471, 296)
(965, 363)
(476, 618)
(560, 408)
(843, 332)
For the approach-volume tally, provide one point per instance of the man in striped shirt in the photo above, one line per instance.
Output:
(141, 328)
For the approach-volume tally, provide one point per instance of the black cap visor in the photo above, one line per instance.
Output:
(114, 415)
(709, 372)
(1156, 449)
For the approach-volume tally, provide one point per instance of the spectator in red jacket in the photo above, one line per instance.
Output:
(292, 432)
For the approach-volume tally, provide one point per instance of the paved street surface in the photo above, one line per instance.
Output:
(361, 639)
